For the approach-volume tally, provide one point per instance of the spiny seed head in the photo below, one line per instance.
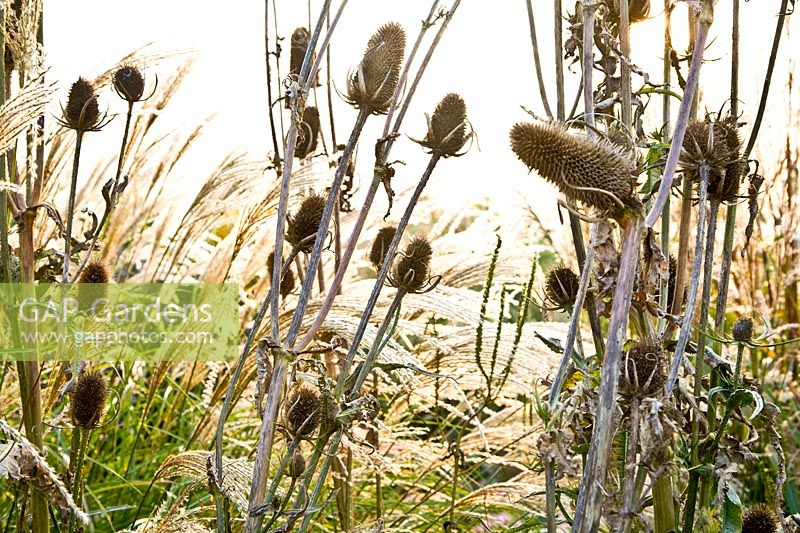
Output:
(715, 145)
(447, 128)
(82, 112)
(129, 83)
(372, 84)
(298, 465)
(305, 223)
(88, 399)
(589, 170)
(412, 270)
(561, 287)
(287, 282)
(759, 519)
(95, 272)
(298, 52)
(643, 369)
(303, 411)
(380, 246)
(308, 133)
(743, 329)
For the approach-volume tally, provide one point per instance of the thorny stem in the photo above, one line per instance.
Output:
(587, 60)
(587, 511)
(81, 441)
(277, 155)
(559, 53)
(537, 62)
(71, 207)
(625, 44)
(630, 465)
(687, 102)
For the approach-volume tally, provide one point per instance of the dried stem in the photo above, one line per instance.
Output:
(537, 62)
(277, 154)
(630, 466)
(71, 206)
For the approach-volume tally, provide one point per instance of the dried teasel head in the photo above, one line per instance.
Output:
(303, 411)
(95, 272)
(759, 519)
(287, 282)
(642, 371)
(411, 271)
(743, 329)
(447, 127)
(589, 170)
(715, 145)
(561, 287)
(82, 112)
(308, 133)
(300, 37)
(301, 227)
(372, 84)
(380, 246)
(297, 467)
(88, 400)
(128, 83)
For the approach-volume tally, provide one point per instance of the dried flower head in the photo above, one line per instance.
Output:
(95, 272)
(307, 133)
(380, 246)
(759, 519)
(743, 329)
(303, 411)
(128, 83)
(372, 84)
(643, 369)
(300, 37)
(297, 467)
(561, 287)
(447, 128)
(714, 145)
(411, 272)
(88, 399)
(82, 112)
(301, 227)
(589, 170)
(287, 282)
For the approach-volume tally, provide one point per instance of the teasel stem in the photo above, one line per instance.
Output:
(625, 72)
(380, 162)
(5, 251)
(665, 119)
(280, 472)
(537, 62)
(587, 60)
(687, 103)
(71, 206)
(587, 511)
(80, 440)
(277, 154)
(630, 465)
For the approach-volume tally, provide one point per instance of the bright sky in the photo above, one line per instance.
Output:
(485, 56)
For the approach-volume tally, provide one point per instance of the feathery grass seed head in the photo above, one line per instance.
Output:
(447, 128)
(305, 223)
(129, 83)
(82, 112)
(88, 399)
(589, 170)
(371, 85)
(561, 287)
(303, 411)
(759, 519)
(643, 369)
(380, 246)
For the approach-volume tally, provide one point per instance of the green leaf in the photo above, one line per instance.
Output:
(731, 512)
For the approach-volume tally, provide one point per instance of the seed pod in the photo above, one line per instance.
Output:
(588, 170)
(561, 287)
(447, 128)
(82, 112)
(759, 519)
(297, 467)
(305, 223)
(372, 84)
(412, 270)
(88, 399)
(380, 246)
(743, 329)
(303, 411)
(643, 369)
(287, 282)
(129, 83)
(92, 286)
(716, 147)
(307, 133)
(95, 272)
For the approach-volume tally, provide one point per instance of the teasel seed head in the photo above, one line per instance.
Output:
(303, 411)
(643, 369)
(82, 112)
(412, 270)
(380, 246)
(561, 287)
(447, 128)
(589, 170)
(300, 37)
(305, 223)
(297, 466)
(308, 133)
(371, 85)
(95, 272)
(128, 83)
(743, 329)
(287, 282)
(88, 400)
(759, 519)
(715, 145)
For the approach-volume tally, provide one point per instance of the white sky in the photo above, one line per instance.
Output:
(485, 56)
